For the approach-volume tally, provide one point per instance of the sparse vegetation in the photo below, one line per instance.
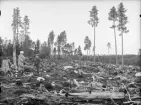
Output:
(56, 72)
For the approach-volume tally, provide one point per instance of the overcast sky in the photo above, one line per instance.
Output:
(72, 16)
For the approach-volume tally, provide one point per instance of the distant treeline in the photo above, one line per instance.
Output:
(128, 59)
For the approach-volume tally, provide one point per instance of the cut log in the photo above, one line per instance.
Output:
(101, 95)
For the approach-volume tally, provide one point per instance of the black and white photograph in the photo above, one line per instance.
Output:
(70, 52)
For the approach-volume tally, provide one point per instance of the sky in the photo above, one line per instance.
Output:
(72, 16)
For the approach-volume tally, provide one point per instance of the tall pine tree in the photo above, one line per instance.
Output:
(122, 20)
(94, 22)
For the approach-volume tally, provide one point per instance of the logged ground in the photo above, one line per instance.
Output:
(68, 82)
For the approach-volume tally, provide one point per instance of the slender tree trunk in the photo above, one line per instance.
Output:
(94, 44)
(14, 49)
(17, 41)
(122, 50)
(108, 50)
(79, 60)
(87, 55)
(59, 50)
(115, 44)
(109, 54)
(51, 54)
(22, 46)
(25, 33)
(52, 50)
(17, 37)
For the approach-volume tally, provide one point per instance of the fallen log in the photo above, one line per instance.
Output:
(133, 102)
(100, 95)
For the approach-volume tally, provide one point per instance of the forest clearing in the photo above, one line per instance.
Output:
(57, 72)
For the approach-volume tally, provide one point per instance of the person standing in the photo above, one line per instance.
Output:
(21, 62)
(37, 63)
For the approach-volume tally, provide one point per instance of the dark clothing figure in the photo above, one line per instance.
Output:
(37, 63)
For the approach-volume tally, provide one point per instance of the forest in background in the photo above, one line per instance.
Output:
(6, 50)
(59, 47)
